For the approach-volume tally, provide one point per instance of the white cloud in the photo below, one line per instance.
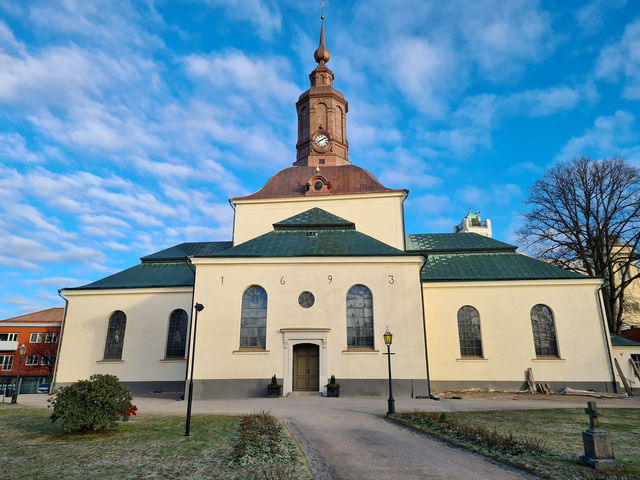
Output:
(8, 41)
(611, 135)
(496, 194)
(263, 77)
(431, 203)
(403, 169)
(263, 15)
(422, 69)
(58, 282)
(590, 17)
(502, 36)
(13, 146)
(621, 61)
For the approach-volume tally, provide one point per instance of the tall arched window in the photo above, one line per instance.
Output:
(544, 331)
(115, 336)
(469, 332)
(359, 317)
(253, 321)
(177, 336)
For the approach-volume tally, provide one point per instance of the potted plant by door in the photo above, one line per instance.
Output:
(274, 389)
(333, 388)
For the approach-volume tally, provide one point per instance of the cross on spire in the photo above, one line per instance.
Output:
(322, 54)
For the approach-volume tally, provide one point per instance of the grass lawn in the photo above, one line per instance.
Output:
(145, 447)
(558, 432)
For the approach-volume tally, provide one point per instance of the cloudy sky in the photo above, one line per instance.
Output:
(126, 126)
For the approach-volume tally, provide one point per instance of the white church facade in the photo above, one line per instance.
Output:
(318, 268)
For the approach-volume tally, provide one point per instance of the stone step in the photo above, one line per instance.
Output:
(304, 394)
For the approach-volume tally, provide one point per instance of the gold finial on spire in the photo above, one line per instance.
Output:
(322, 54)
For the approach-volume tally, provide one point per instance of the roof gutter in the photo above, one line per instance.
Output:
(64, 321)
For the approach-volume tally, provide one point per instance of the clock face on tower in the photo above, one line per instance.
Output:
(321, 140)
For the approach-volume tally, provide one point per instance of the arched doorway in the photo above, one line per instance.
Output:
(306, 367)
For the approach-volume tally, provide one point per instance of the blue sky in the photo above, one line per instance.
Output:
(126, 126)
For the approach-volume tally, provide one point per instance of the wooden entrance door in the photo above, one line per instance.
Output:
(305, 367)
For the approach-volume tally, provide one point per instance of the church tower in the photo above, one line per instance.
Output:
(322, 175)
(322, 110)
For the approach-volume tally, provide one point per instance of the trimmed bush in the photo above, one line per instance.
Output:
(94, 404)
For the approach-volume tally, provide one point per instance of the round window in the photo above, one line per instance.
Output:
(306, 299)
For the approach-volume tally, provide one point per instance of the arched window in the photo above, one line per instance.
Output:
(115, 336)
(177, 337)
(544, 331)
(253, 321)
(359, 317)
(469, 332)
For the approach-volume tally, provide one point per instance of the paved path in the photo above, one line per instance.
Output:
(349, 438)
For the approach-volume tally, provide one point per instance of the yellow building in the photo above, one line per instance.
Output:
(318, 268)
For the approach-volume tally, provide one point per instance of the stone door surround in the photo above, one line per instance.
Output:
(294, 336)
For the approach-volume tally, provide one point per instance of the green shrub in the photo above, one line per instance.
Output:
(93, 404)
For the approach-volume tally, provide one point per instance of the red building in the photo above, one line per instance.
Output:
(632, 333)
(39, 332)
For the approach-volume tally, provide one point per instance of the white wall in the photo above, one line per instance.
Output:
(85, 332)
(507, 337)
(220, 284)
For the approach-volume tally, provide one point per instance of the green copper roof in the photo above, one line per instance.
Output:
(454, 242)
(318, 243)
(618, 341)
(184, 250)
(146, 275)
(316, 219)
(490, 266)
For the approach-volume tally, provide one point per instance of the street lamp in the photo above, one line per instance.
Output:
(199, 308)
(21, 351)
(388, 338)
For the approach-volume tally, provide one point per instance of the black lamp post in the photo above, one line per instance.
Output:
(21, 351)
(199, 308)
(388, 338)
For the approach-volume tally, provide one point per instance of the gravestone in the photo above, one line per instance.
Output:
(598, 448)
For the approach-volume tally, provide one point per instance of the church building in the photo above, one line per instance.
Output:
(318, 268)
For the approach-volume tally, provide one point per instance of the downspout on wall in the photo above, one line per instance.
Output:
(193, 293)
(64, 321)
(424, 329)
(605, 332)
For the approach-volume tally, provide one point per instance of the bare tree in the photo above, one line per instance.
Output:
(583, 216)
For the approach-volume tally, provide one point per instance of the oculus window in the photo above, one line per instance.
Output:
(253, 320)
(177, 336)
(469, 332)
(115, 336)
(359, 317)
(544, 331)
(306, 299)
